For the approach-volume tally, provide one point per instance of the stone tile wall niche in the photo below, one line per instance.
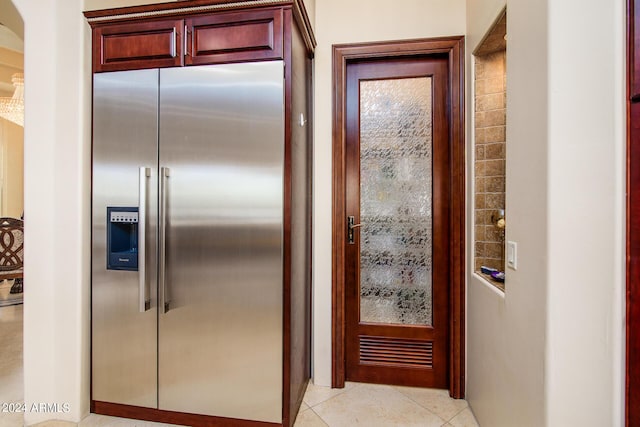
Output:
(490, 146)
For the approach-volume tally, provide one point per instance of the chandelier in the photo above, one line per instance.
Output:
(12, 108)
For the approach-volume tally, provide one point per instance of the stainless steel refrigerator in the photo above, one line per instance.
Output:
(187, 240)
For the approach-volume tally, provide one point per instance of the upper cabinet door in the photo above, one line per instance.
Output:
(234, 37)
(138, 45)
(198, 40)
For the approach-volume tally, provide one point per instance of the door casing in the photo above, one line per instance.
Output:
(344, 54)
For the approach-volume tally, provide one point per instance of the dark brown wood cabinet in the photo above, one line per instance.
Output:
(202, 32)
(233, 37)
(207, 39)
(195, 36)
(136, 45)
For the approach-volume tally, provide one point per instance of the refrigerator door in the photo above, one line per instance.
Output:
(124, 315)
(222, 150)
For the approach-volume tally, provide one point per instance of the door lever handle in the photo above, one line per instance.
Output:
(350, 227)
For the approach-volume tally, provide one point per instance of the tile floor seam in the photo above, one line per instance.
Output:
(424, 407)
(460, 411)
(475, 421)
(332, 397)
(321, 419)
(344, 390)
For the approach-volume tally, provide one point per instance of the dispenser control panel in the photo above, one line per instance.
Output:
(120, 216)
(122, 238)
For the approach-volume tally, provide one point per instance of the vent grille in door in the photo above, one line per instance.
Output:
(396, 352)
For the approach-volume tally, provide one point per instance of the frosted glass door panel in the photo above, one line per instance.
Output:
(396, 201)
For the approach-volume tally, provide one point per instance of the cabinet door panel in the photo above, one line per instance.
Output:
(234, 37)
(138, 45)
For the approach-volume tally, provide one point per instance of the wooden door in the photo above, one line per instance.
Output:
(397, 203)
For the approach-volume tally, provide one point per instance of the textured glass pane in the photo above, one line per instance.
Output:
(395, 201)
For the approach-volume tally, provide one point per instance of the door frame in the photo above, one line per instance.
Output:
(343, 54)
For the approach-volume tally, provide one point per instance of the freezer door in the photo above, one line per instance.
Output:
(124, 314)
(222, 150)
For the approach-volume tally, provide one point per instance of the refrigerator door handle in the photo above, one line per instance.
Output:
(164, 293)
(144, 300)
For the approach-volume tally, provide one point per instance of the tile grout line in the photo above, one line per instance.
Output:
(321, 419)
(472, 414)
(422, 406)
(461, 410)
(344, 390)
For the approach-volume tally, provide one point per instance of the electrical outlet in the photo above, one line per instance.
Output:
(512, 255)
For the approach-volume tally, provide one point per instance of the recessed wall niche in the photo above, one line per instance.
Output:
(490, 105)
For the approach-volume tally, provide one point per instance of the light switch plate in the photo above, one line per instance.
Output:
(512, 255)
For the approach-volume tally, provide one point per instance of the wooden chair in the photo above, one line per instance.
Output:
(12, 252)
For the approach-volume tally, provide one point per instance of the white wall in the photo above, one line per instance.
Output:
(506, 333)
(586, 149)
(57, 179)
(549, 352)
(354, 21)
(310, 6)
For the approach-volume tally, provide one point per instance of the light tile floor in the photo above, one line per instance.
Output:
(357, 404)
(11, 363)
(381, 406)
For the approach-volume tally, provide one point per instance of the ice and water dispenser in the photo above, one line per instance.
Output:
(122, 238)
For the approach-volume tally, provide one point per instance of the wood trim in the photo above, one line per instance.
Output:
(298, 68)
(198, 7)
(176, 8)
(342, 55)
(457, 224)
(631, 380)
(339, 226)
(304, 24)
(632, 377)
(632, 262)
(161, 416)
(633, 55)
